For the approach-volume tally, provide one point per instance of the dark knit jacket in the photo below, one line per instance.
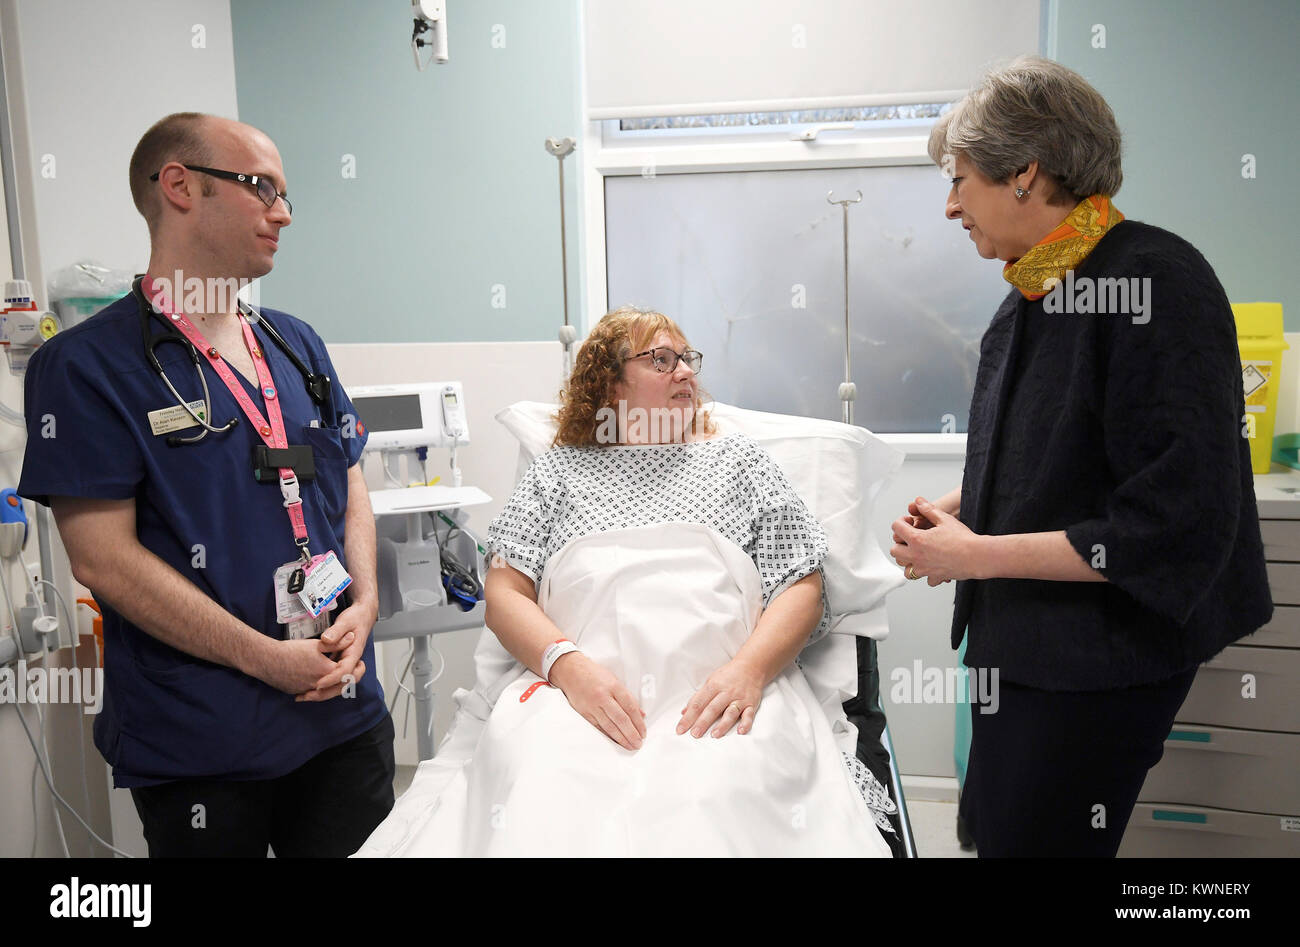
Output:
(1128, 436)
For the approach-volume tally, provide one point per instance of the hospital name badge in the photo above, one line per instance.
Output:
(175, 418)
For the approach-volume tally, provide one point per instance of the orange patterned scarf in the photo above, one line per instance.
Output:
(1064, 248)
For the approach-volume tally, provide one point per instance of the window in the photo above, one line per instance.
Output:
(751, 265)
(891, 117)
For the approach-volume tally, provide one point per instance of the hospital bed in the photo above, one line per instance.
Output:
(838, 471)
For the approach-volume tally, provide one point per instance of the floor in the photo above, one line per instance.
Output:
(934, 829)
(933, 823)
(402, 779)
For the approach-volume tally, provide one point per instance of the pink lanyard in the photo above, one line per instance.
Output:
(272, 434)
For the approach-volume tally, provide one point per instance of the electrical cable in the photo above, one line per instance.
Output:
(49, 762)
(459, 580)
(455, 471)
(13, 417)
(403, 689)
(453, 528)
(42, 763)
(388, 474)
(76, 666)
(81, 743)
(40, 717)
(421, 26)
(410, 659)
(63, 802)
(40, 604)
(36, 767)
(410, 656)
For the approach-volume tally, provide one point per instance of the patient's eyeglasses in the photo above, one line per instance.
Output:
(665, 359)
(263, 186)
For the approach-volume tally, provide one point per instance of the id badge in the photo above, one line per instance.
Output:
(307, 627)
(324, 578)
(289, 611)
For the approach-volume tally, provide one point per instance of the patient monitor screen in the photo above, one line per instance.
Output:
(391, 412)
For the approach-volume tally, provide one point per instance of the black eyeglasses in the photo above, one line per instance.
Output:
(263, 186)
(665, 359)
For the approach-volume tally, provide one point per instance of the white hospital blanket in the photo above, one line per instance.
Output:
(662, 607)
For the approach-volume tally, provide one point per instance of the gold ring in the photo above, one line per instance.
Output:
(910, 574)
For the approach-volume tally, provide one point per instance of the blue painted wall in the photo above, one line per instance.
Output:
(1195, 85)
(454, 193)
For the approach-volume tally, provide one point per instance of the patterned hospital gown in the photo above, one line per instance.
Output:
(729, 484)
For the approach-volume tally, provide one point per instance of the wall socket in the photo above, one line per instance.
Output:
(33, 570)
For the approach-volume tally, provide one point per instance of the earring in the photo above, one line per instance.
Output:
(1021, 192)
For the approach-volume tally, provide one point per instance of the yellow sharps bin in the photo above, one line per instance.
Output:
(1259, 337)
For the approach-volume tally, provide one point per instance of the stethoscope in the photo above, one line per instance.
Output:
(318, 386)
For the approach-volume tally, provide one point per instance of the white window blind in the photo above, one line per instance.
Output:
(649, 58)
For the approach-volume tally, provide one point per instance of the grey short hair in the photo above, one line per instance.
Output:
(1035, 110)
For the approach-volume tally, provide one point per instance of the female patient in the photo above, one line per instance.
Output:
(663, 578)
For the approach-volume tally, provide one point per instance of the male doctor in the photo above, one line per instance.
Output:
(237, 718)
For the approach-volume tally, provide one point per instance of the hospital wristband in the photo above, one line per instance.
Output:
(561, 647)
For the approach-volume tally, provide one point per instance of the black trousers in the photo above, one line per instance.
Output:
(326, 808)
(1057, 773)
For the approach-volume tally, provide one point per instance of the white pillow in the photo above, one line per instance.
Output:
(838, 471)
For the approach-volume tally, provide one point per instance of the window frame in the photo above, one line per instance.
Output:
(603, 155)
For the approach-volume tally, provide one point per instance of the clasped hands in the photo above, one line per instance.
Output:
(729, 697)
(317, 669)
(931, 543)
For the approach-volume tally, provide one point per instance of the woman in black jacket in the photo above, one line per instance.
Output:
(1105, 538)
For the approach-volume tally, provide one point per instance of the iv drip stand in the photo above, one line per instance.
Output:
(848, 390)
(560, 147)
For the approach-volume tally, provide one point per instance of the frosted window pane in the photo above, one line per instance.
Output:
(724, 254)
(876, 113)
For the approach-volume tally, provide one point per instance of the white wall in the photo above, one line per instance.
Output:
(1288, 393)
(95, 76)
(919, 621)
(494, 375)
(98, 75)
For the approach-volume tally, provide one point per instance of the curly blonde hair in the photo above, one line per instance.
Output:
(599, 367)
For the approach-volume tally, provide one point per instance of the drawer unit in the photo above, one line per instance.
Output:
(1217, 698)
(1252, 770)
(1282, 630)
(1228, 784)
(1170, 831)
(1284, 582)
(1281, 540)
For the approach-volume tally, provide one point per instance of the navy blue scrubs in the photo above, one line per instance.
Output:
(167, 715)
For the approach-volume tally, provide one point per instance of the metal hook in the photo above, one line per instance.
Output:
(847, 200)
(560, 146)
